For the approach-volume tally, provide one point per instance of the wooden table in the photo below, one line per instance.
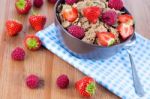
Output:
(44, 63)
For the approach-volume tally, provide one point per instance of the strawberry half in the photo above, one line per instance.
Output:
(86, 86)
(32, 42)
(105, 38)
(37, 21)
(23, 6)
(125, 30)
(13, 27)
(69, 13)
(126, 18)
(92, 13)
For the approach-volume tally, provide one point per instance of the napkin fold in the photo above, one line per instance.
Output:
(114, 73)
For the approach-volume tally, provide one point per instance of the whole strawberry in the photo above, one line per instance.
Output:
(32, 42)
(13, 27)
(86, 86)
(38, 3)
(23, 6)
(37, 21)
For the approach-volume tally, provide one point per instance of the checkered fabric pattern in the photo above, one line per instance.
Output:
(115, 73)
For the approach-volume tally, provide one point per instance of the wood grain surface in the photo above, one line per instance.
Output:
(44, 63)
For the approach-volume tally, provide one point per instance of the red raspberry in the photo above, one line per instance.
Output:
(116, 4)
(52, 1)
(62, 81)
(109, 17)
(18, 54)
(76, 31)
(38, 3)
(33, 81)
(71, 1)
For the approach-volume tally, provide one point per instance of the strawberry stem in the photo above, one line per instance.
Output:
(32, 43)
(91, 88)
(21, 4)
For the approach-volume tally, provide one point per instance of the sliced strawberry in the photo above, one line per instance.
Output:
(86, 86)
(69, 13)
(126, 18)
(32, 42)
(105, 38)
(92, 13)
(13, 27)
(125, 30)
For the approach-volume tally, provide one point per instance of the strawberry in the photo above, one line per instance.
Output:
(105, 38)
(32, 42)
(37, 21)
(126, 18)
(13, 27)
(86, 86)
(23, 6)
(125, 30)
(69, 13)
(92, 13)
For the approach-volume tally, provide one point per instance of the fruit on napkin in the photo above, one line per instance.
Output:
(37, 21)
(105, 38)
(38, 3)
(62, 81)
(52, 1)
(18, 54)
(32, 42)
(69, 13)
(23, 6)
(86, 86)
(92, 13)
(76, 31)
(70, 1)
(126, 18)
(33, 81)
(116, 4)
(109, 17)
(125, 30)
(13, 27)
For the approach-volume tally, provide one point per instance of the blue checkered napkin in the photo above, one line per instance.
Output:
(114, 73)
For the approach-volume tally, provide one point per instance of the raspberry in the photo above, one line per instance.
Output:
(76, 31)
(71, 1)
(33, 81)
(52, 1)
(18, 54)
(38, 3)
(116, 4)
(62, 81)
(109, 17)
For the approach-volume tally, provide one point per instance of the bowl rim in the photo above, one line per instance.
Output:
(93, 45)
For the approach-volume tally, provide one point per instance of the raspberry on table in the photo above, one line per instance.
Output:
(18, 54)
(33, 81)
(38, 3)
(62, 81)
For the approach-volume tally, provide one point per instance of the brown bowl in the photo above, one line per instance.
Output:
(82, 49)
